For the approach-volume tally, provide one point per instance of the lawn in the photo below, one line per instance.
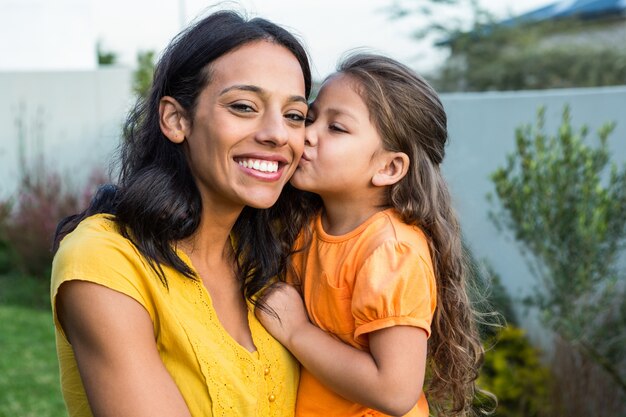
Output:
(29, 375)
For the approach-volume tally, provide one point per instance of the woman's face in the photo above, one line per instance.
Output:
(247, 134)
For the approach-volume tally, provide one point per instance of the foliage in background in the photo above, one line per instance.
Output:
(142, 76)
(594, 394)
(441, 19)
(105, 57)
(6, 251)
(29, 218)
(564, 201)
(29, 371)
(489, 298)
(519, 58)
(486, 56)
(41, 202)
(512, 371)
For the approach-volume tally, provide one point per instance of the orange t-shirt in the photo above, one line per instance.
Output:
(377, 276)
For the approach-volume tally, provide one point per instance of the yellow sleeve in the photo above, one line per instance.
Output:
(96, 252)
(394, 287)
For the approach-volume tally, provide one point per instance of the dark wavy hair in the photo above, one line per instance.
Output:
(156, 202)
(410, 118)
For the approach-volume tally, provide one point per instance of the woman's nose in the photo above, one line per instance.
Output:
(273, 131)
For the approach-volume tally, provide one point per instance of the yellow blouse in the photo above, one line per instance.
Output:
(215, 374)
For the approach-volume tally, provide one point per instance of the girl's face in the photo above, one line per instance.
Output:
(247, 134)
(341, 144)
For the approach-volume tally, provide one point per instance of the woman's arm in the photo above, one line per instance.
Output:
(113, 340)
(389, 378)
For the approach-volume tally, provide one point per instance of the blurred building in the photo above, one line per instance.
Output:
(604, 22)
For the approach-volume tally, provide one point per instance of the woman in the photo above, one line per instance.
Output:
(152, 284)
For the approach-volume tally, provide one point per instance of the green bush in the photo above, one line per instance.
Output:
(563, 198)
(28, 222)
(493, 305)
(6, 252)
(512, 371)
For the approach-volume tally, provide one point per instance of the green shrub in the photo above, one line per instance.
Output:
(6, 252)
(493, 305)
(28, 222)
(563, 198)
(513, 373)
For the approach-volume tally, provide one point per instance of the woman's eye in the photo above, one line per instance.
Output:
(296, 117)
(242, 107)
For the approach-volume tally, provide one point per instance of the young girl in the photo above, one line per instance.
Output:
(381, 269)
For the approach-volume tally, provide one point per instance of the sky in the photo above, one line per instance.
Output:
(57, 32)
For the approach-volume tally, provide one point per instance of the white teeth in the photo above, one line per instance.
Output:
(259, 165)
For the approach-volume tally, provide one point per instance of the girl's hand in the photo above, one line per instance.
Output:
(290, 313)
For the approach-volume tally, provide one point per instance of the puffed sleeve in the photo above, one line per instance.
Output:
(395, 286)
(95, 252)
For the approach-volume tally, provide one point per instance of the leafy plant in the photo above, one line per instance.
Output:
(512, 371)
(485, 55)
(565, 203)
(105, 57)
(28, 219)
(489, 298)
(521, 58)
(142, 76)
(6, 252)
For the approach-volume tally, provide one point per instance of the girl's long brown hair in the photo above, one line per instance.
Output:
(410, 118)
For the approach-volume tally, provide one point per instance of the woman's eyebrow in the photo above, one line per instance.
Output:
(258, 90)
(244, 87)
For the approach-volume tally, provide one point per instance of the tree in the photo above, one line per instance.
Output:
(442, 19)
(105, 57)
(485, 55)
(142, 77)
(564, 201)
(524, 57)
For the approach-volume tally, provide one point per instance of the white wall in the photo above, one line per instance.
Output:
(72, 118)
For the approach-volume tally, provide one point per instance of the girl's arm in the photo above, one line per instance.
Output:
(113, 340)
(389, 378)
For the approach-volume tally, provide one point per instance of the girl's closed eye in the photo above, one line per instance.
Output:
(337, 128)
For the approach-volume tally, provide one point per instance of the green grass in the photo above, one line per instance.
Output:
(29, 375)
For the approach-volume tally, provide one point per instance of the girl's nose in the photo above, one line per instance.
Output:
(310, 137)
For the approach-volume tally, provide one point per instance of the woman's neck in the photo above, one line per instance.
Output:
(210, 245)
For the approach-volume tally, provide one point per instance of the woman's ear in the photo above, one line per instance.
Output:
(173, 120)
(394, 168)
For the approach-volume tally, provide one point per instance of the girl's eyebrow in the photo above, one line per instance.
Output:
(334, 112)
(258, 90)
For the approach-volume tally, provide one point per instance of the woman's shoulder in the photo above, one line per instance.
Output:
(96, 243)
(92, 230)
